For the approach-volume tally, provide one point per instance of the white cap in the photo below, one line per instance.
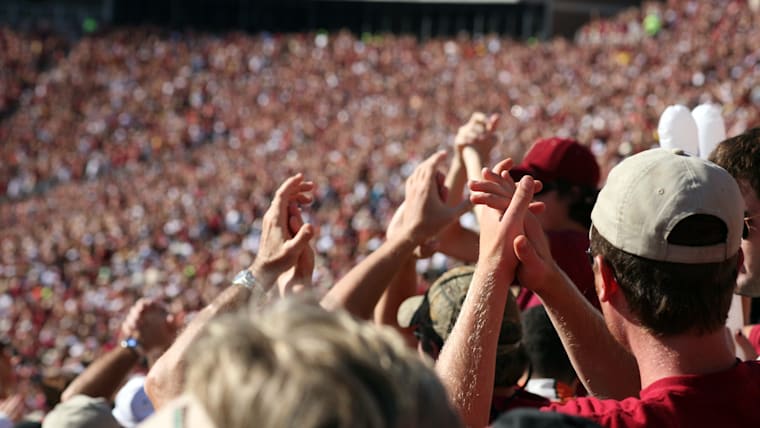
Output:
(649, 193)
(132, 405)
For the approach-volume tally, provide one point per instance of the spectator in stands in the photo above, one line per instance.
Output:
(552, 374)
(664, 290)
(740, 156)
(144, 126)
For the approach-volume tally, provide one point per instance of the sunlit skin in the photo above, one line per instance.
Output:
(749, 273)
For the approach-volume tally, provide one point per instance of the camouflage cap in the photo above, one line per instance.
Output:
(439, 308)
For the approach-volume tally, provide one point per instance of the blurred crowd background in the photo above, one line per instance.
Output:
(138, 161)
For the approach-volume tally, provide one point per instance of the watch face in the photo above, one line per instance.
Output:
(131, 342)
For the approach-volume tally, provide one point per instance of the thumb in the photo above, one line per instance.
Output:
(493, 120)
(526, 253)
(304, 235)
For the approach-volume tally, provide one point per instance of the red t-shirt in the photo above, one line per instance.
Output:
(726, 399)
(754, 337)
(569, 252)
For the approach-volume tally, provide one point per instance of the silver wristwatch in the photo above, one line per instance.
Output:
(247, 280)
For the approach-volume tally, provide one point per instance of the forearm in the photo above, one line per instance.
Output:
(460, 243)
(467, 361)
(602, 364)
(104, 376)
(474, 167)
(403, 286)
(166, 378)
(456, 178)
(361, 288)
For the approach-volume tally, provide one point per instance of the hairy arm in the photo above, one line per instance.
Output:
(467, 361)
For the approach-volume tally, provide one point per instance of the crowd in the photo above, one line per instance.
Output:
(141, 162)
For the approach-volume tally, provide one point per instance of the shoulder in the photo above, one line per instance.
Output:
(608, 413)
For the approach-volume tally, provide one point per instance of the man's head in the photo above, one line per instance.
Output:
(544, 347)
(434, 314)
(570, 175)
(740, 156)
(299, 365)
(668, 227)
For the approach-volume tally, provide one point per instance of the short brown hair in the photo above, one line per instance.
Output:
(671, 298)
(740, 156)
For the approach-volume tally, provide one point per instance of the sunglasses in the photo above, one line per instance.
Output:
(590, 256)
(748, 225)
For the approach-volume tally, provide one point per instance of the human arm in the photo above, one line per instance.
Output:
(467, 361)
(153, 329)
(424, 215)
(279, 250)
(478, 134)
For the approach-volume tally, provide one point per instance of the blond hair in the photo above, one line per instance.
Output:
(297, 365)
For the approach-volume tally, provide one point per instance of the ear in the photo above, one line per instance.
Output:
(740, 259)
(609, 286)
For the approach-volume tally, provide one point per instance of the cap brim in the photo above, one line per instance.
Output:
(408, 310)
(521, 171)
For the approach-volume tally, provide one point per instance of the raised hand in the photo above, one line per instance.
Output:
(499, 230)
(497, 187)
(425, 212)
(299, 277)
(280, 249)
(152, 326)
(478, 133)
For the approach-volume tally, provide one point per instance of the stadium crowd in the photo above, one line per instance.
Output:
(140, 162)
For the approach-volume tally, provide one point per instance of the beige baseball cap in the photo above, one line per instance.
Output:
(649, 193)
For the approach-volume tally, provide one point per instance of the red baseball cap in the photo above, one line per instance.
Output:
(553, 159)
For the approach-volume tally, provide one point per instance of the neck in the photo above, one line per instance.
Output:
(685, 354)
(504, 391)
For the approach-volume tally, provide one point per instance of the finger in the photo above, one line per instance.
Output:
(430, 165)
(495, 202)
(304, 234)
(520, 201)
(536, 235)
(443, 191)
(490, 187)
(492, 122)
(504, 181)
(304, 268)
(303, 198)
(503, 165)
(537, 207)
(526, 253)
(282, 196)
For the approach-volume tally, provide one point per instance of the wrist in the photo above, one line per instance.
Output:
(132, 346)
(261, 275)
